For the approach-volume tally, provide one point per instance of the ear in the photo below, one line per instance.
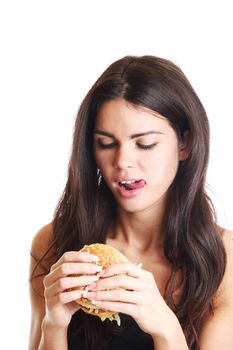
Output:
(184, 146)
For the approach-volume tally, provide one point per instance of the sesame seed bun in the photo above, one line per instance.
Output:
(107, 257)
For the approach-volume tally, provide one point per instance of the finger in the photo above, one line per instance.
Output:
(71, 268)
(115, 295)
(125, 308)
(117, 281)
(75, 256)
(67, 297)
(66, 283)
(121, 268)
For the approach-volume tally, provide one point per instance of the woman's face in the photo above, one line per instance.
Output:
(137, 152)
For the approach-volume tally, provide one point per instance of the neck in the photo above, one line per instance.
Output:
(143, 231)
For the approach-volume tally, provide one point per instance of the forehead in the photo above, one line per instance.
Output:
(121, 115)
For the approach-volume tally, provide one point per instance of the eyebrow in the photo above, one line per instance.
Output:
(108, 134)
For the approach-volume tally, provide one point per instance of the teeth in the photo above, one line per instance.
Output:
(128, 182)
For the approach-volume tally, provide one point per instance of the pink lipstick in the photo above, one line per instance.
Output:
(130, 187)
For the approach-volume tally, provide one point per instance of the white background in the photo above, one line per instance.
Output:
(51, 54)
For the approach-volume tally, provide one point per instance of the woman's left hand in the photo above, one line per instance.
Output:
(131, 290)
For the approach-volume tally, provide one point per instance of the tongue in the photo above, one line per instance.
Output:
(135, 185)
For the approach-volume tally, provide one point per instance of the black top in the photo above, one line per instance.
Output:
(129, 337)
(126, 337)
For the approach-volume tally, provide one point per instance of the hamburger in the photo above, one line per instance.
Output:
(107, 257)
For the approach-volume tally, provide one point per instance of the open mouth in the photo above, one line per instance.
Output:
(131, 184)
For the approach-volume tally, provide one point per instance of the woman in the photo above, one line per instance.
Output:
(136, 182)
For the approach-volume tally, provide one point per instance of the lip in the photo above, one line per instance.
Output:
(127, 178)
(128, 193)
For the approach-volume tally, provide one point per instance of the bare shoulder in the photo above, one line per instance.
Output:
(40, 262)
(217, 331)
(39, 266)
(228, 240)
(228, 243)
(225, 292)
(42, 240)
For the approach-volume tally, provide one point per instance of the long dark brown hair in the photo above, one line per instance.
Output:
(192, 243)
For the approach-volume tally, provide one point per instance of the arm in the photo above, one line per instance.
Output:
(53, 338)
(53, 296)
(42, 336)
(217, 333)
(172, 337)
(128, 289)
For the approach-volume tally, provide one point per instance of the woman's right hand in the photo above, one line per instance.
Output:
(73, 270)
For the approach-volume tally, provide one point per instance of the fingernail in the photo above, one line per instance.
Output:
(91, 286)
(90, 295)
(92, 278)
(101, 273)
(94, 257)
(98, 268)
(96, 302)
(84, 293)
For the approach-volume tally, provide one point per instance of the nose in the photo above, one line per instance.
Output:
(123, 159)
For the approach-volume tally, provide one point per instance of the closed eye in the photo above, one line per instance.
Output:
(150, 146)
(105, 145)
(113, 144)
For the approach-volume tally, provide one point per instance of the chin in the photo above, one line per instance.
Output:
(133, 208)
(141, 205)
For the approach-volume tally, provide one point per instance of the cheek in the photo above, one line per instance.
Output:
(102, 162)
(99, 159)
(161, 168)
